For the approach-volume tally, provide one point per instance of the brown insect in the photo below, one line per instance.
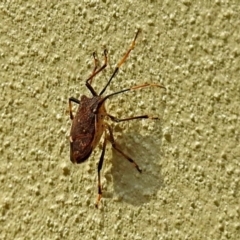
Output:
(88, 125)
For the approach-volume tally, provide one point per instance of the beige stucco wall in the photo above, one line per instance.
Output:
(189, 188)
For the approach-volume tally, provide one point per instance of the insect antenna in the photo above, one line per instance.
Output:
(120, 63)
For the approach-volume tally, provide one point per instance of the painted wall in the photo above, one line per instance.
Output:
(189, 187)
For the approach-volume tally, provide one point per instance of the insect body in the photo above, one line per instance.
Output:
(87, 128)
(88, 125)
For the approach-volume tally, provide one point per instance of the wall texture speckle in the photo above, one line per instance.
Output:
(189, 188)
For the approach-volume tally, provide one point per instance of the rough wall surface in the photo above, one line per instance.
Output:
(189, 188)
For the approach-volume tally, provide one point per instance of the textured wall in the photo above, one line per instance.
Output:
(189, 188)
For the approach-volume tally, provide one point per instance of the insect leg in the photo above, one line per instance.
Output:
(100, 163)
(130, 118)
(126, 90)
(96, 62)
(120, 63)
(95, 72)
(72, 99)
(114, 145)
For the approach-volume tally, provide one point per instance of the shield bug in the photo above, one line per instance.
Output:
(88, 124)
